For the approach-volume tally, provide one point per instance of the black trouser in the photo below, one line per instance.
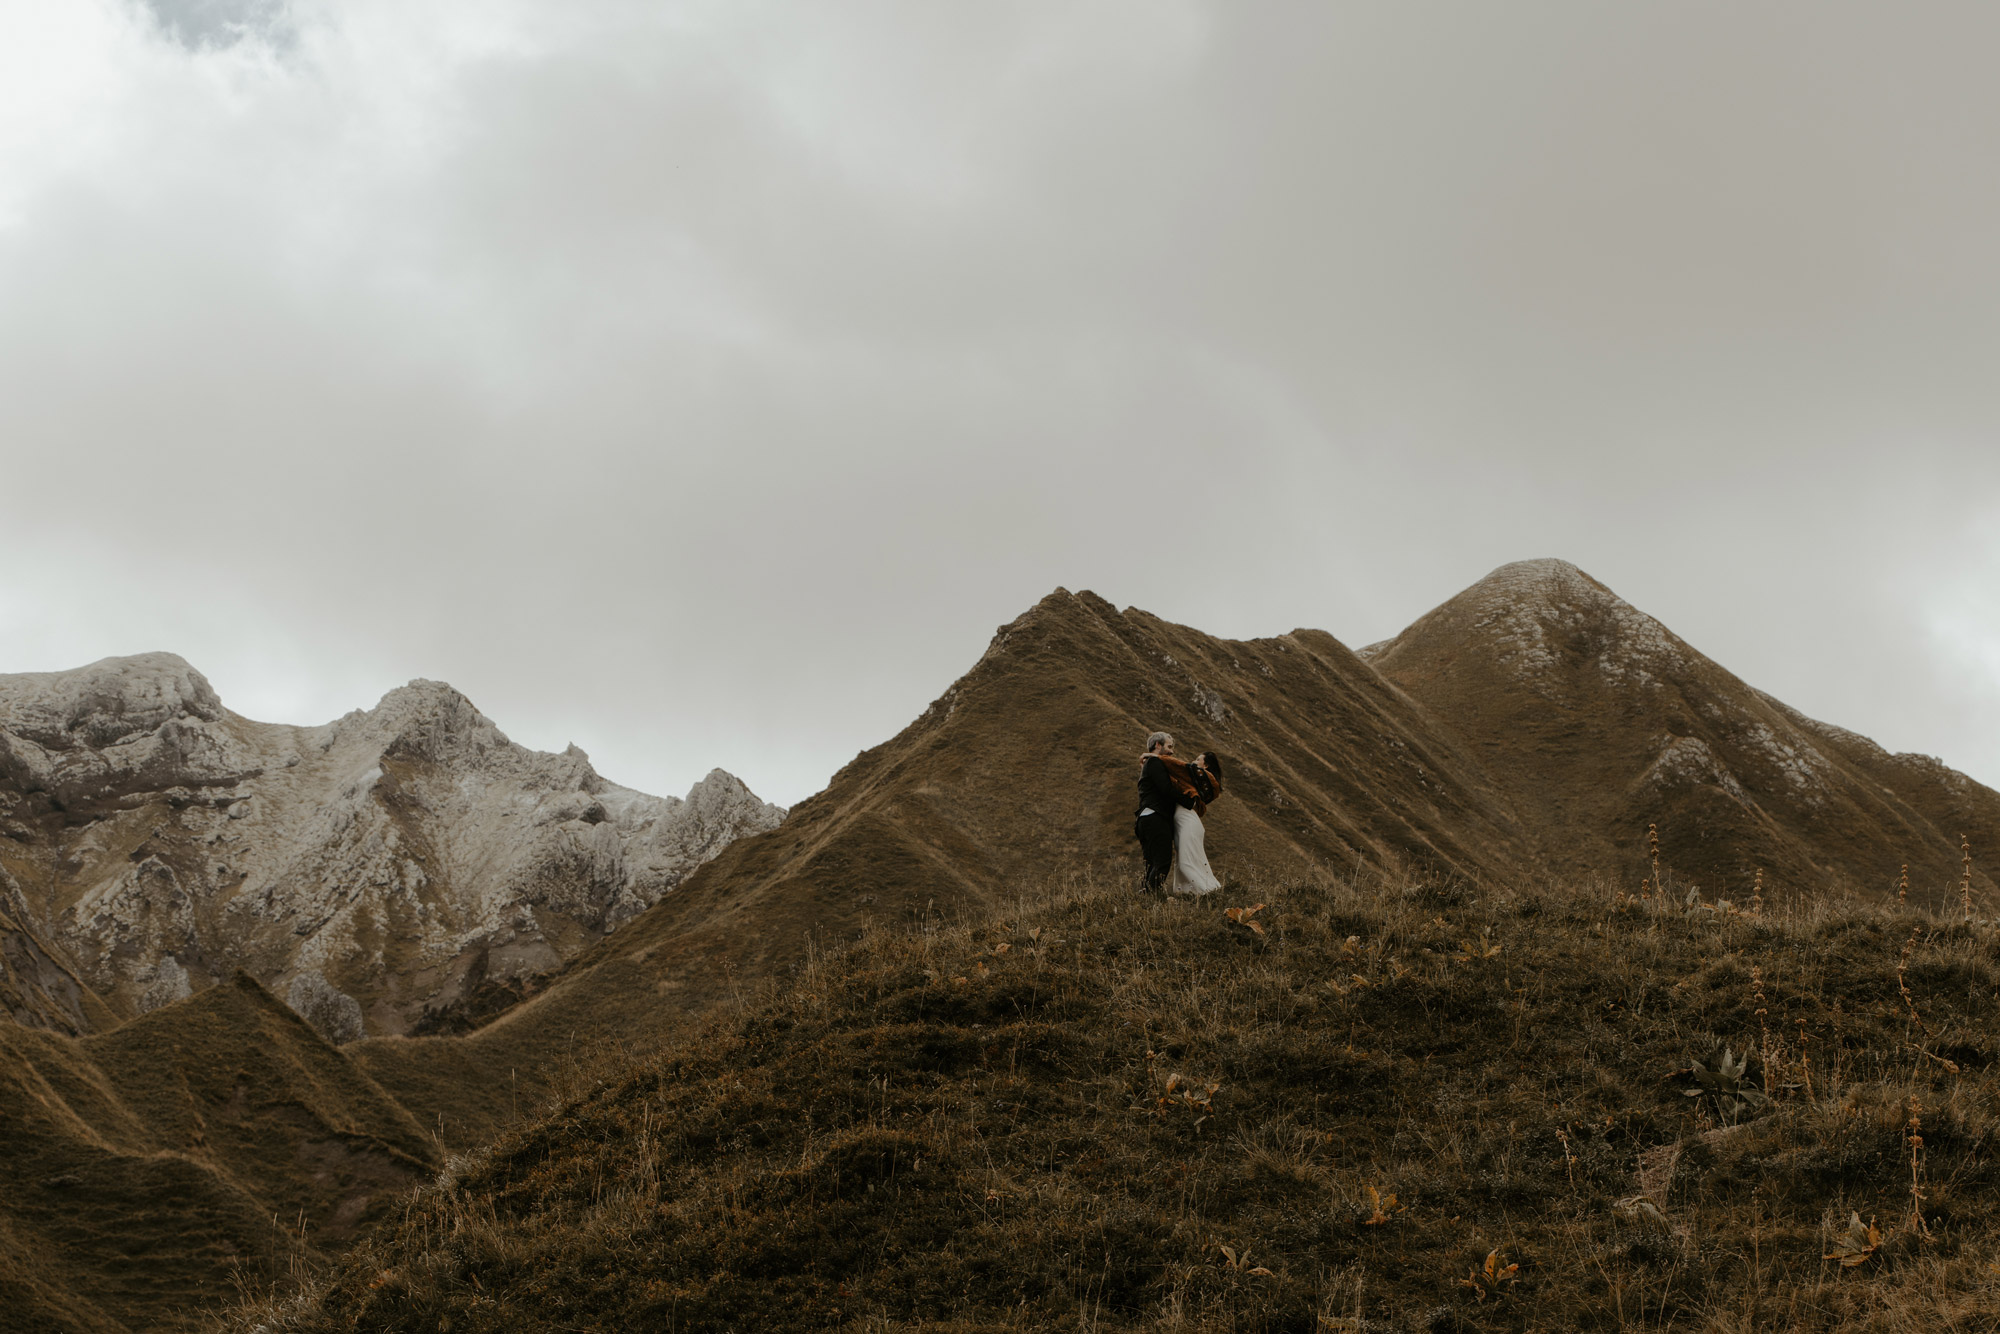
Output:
(1156, 840)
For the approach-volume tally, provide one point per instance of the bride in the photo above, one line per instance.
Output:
(1204, 779)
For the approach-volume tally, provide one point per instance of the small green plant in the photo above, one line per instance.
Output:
(1239, 1262)
(1729, 1085)
(1496, 1277)
(1805, 1060)
(1902, 981)
(1765, 1052)
(1965, 878)
(1485, 949)
(1914, 1136)
(1185, 1092)
(1381, 1208)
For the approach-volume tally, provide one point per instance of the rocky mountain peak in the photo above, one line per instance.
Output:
(1544, 620)
(430, 721)
(93, 737)
(719, 791)
(1608, 723)
(399, 863)
(106, 702)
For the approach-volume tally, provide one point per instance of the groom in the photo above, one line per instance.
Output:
(1159, 794)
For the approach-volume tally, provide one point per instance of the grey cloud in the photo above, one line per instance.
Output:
(199, 23)
(703, 383)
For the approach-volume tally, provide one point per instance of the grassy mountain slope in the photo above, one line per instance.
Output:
(147, 1166)
(1598, 721)
(1100, 1113)
(1535, 720)
(1028, 762)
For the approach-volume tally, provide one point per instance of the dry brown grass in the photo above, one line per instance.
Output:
(1093, 1112)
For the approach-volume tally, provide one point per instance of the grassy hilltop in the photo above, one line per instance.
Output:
(1397, 1106)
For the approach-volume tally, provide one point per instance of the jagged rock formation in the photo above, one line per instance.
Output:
(1598, 721)
(403, 867)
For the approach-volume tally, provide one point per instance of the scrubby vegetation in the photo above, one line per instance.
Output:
(1369, 1105)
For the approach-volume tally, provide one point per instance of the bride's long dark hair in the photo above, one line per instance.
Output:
(1212, 762)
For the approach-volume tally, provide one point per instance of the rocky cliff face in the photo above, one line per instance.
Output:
(406, 868)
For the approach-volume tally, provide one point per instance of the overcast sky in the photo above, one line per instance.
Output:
(703, 382)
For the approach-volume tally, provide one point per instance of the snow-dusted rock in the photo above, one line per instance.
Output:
(115, 728)
(334, 1013)
(390, 860)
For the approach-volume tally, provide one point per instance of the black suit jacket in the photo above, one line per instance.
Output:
(1156, 788)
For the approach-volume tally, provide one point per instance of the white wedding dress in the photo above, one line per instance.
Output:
(1191, 872)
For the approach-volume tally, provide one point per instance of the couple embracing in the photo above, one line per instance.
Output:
(1174, 794)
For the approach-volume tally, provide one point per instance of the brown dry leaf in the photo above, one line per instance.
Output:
(1857, 1244)
(1242, 916)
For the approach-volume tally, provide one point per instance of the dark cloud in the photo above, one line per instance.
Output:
(704, 382)
(199, 23)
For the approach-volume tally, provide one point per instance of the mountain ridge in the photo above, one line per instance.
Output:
(1525, 732)
(400, 867)
(1335, 761)
(1603, 722)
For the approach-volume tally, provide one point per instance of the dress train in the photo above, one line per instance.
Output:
(1191, 871)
